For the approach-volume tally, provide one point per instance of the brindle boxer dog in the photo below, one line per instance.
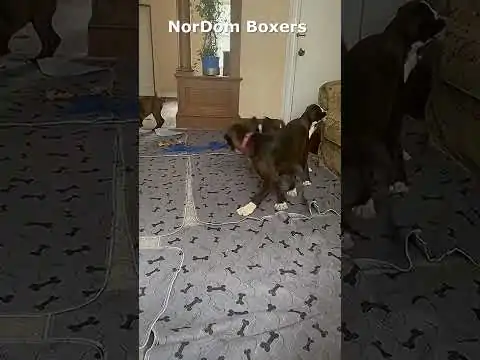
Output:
(273, 155)
(374, 72)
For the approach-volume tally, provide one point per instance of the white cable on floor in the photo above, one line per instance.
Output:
(426, 253)
(169, 292)
(182, 252)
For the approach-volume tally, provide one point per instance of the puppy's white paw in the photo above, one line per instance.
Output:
(366, 211)
(310, 170)
(292, 192)
(281, 206)
(307, 183)
(398, 187)
(406, 156)
(247, 209)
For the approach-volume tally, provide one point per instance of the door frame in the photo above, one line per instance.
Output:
(290, 60)
(146, 4)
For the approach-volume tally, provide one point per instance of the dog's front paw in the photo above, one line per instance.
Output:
(281, 206)
(292, 192)
(406, 156)
(366, 211)
(247, 209)
(307, 183)
(399, 187)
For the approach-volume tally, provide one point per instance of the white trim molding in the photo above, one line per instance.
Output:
(290, 61)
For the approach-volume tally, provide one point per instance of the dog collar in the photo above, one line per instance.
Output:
(245, 141)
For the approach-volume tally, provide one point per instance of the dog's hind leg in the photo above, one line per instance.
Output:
(301, 170)
(292, 190)
(395, 148)
(42, 22)
(400, 184)
(281, 200)
(306, 170)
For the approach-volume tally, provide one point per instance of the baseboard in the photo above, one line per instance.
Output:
(168, 95)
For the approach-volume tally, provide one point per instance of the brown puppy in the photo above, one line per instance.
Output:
(273, 155)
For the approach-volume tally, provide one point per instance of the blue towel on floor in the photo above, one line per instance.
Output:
(103, 105)
(191, 149)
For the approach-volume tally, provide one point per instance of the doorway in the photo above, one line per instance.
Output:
(312, 58)
(146, 78)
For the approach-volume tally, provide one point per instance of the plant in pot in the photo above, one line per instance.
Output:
(209, 10)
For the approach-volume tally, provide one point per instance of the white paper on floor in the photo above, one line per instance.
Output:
(169, 113)
(59, 67)
(167, 132)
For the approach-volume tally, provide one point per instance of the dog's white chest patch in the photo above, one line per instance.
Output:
(412, 60)
(260, 128)
(313, 127)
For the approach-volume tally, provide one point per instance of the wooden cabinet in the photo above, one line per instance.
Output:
(113, 29)
(207, 102)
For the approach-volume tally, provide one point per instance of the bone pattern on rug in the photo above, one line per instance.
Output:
(223, 183)
(431, 311)
(213, 251)
(162, 195)
(212, 311)
(442, 202)
(26, 94)
(64, 165)
(47, 349)
(242, 286)
(158, 268)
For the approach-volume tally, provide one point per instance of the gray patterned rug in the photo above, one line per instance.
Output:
(245, 289)
(256, 289)
(50, 350)
(161, 194)
(61, 282)
(223, 183)
(430, 313)
(149, 143)
(30, 97)
(64, 165)
(203, 137)
(443, 203)
(110, 321)
(187, 142)
(432, 310)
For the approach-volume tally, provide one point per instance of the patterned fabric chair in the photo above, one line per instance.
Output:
(329, 152)
(454, 105)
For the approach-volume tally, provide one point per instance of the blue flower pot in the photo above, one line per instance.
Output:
(211, 65)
